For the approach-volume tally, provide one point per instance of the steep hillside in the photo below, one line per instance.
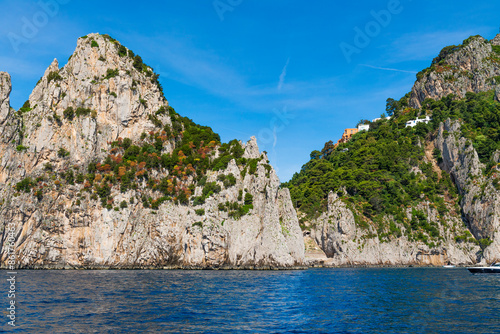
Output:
(422, 195)
(99, 171)
(473, 66)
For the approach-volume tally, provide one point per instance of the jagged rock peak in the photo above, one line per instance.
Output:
(101, 61)
(104, 92)
(473, 66)
(5, 89)
(496, 40)
(251, 149)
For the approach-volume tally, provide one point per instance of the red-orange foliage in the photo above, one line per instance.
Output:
(121, 171)
(104, 168)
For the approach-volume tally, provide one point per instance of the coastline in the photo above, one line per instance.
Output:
(231, 268)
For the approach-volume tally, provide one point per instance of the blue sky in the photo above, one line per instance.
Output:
(273, 69)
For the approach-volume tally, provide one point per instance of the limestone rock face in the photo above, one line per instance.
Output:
(348, 243)
(251, 149)
(97, 78)
(54, 233)
(5, 89)
(480, 198)
(111, 95)
(472, 68)
(102, 94)
(496, 40)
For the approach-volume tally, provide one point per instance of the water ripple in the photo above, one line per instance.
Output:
(402, 300)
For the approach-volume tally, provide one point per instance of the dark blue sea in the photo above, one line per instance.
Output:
(402, 300)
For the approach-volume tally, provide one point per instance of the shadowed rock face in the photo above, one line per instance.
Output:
(67, 228)
(481, 200)
(347, 243)
(471, 68)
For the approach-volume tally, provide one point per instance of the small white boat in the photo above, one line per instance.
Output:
(449, 266)
(494, 268)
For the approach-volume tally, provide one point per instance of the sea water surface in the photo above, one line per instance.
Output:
(396, 300)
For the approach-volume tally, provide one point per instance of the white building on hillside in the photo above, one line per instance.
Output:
(414, 122)
(362, 127)
(386, 118)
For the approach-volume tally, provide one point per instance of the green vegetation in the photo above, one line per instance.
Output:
(26, 107)
(110, 73)
(69, 113)
(25, 185)
(227, 180)
(234, 209)
(94, 44)
(248, 199)
(62, 153)
(82, 112)
(496, 49)
(480, 114)
(21, 148)
(384, 174)
(122, 51)
(54, 76)
(130, 165)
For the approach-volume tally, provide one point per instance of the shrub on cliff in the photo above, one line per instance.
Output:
(25, 185)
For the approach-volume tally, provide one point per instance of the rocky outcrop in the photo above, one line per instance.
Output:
(346, 242)
(105, 93)
(115, 94)
(349, 238)
(480, 197)
(56, 233)
(470, 67)
(5, 89)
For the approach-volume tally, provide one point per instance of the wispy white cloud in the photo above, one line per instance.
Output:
(209, 72)
(388, 69)
(283, 75)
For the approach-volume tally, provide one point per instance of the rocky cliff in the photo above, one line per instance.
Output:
(347, 242)
(480, 201)
(473, 66)
(98, 171)
(428, 195)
